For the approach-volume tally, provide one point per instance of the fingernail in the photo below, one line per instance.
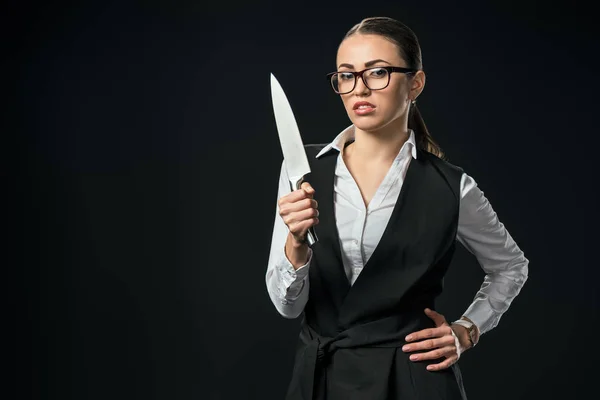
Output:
(406, 348)
(409, 337)
(414, 357)
(430, 367)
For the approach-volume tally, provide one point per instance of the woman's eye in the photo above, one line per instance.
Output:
(345, 76)
(378, 72)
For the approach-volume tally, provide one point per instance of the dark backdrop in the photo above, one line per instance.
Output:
(141, 158)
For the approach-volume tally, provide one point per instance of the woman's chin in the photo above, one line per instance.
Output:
(375, 123)
(367, 125)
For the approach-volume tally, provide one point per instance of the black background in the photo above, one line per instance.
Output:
(142, 159)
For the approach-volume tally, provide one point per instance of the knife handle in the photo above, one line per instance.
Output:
(311, 236)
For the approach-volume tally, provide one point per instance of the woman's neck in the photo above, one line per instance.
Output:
(380, 146)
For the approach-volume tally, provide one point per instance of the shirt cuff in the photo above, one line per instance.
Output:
(482, 315)
(293, 279)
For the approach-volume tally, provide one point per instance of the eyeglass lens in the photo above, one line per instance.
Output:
(374, 79)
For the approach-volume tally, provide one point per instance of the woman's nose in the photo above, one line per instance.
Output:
(360, 87)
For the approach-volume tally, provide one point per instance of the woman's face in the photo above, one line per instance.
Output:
(385, 106)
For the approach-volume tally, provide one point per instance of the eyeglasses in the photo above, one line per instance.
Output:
(376, 78)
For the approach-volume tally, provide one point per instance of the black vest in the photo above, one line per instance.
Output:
(351, 334)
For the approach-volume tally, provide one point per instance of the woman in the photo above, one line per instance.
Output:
(389, 212)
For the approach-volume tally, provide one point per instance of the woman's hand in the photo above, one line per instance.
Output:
(299, 212)
(437, 342)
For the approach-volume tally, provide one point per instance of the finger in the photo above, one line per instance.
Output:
(299, 217)
(296, 222)
(447, 351)
(435, 316)
(429, 333)
(443, 365)
(300, 205)
(293, 197)
(307, 188)
(299, 229)
(446, 340)
(306, 214)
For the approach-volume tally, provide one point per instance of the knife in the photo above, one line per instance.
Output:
(294, 155)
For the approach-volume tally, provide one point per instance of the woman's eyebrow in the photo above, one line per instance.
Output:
(367, 64)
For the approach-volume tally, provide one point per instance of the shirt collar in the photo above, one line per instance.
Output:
(348, 134)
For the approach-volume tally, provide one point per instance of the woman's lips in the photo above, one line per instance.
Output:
(363, 108)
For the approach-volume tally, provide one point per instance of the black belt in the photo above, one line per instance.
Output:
(386, 332)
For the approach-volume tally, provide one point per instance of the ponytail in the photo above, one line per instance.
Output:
(424, 140)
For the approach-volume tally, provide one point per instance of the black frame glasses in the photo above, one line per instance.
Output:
(359, 74)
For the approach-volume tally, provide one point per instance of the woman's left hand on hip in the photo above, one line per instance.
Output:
(434, 343)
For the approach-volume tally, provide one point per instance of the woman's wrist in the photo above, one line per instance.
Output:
(296, 251)
(463, 336)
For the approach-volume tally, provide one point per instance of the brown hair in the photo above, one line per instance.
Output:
(410, 50)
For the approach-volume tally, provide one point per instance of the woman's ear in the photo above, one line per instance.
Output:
(417, 84)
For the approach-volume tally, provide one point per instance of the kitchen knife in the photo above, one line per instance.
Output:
(294, 155)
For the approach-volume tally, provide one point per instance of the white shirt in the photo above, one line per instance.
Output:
(360, 229)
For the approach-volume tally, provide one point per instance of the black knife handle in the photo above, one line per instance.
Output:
(311, 236)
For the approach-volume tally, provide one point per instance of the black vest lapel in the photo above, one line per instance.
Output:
(420, 230)
(332, 268)
(398, 225)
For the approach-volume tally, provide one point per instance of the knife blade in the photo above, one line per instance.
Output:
(292, 147)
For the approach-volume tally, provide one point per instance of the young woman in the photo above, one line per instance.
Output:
(389, 211)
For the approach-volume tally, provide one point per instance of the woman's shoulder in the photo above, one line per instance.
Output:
(442, 163)
(451, 173)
